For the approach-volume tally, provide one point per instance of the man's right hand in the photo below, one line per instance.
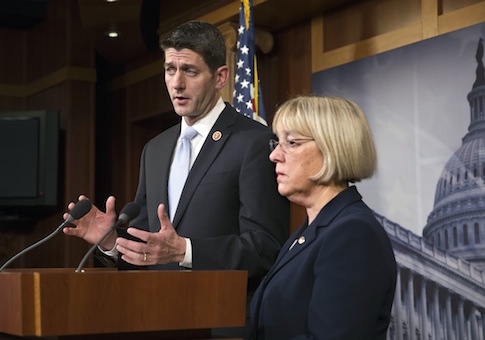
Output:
(94, 224)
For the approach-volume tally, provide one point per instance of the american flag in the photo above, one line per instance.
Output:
(248, 98)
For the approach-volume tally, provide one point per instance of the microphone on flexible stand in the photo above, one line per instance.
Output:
(129, 212)
(80, 209)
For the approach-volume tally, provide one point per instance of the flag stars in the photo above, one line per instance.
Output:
(240, 98)
(240, 63)
(249, 105)
(248, 71)
(244, 50)
(244, 84)
(240, 30)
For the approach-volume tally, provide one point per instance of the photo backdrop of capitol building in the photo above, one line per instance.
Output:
(426, 106)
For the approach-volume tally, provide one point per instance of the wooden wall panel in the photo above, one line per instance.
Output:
(368, 19)
(11, 103)
(45, 45)
(51, 66)
(80, 139)
(58, 41)
(79, 43)
(116, 172)
(12, 57)
(448, 6)
(148, 98)
(421, 19)
(461, 18)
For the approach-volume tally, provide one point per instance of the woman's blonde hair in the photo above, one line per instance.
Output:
(341, 131)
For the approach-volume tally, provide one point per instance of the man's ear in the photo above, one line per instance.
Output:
(222, 75)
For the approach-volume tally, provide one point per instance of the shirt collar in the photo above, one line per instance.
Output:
(204, 125)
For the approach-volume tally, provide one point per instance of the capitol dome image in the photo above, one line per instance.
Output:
(457, 222)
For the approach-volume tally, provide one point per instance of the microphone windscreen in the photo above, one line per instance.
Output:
(129, 212)
(80, 209)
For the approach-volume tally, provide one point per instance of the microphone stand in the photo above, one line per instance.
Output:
(45, 239)
(80, 209)
(93, 248)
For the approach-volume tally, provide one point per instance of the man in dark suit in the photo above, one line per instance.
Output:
(230, 214)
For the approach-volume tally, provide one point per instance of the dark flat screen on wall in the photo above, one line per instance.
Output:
(29, 153)
(19, 151)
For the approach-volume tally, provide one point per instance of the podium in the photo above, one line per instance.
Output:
(120, 304)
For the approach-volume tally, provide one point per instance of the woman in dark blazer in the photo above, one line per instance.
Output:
(335, 276)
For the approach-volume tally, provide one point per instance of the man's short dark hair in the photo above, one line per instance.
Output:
(200, 37)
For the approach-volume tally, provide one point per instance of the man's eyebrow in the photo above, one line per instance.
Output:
(182, 66)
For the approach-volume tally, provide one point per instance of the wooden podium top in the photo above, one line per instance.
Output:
(55, 302)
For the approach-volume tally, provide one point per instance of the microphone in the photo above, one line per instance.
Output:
(128, 213)
(80, 209)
